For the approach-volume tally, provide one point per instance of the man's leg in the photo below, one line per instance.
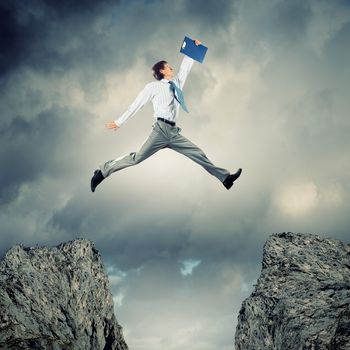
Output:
(153, 143)
(184, 146)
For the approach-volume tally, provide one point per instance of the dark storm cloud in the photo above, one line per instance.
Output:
(31, 33)
(10, 49)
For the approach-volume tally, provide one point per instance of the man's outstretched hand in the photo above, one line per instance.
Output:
(112, 126)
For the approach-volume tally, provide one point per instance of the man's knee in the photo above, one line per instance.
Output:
(136, 157)
(133, 158)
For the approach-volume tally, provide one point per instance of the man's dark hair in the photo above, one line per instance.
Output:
(156, 70)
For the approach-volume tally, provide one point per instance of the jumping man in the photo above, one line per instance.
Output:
(167, 97)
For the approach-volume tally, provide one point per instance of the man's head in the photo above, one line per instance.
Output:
(162, 69)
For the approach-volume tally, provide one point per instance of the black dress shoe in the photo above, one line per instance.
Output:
(228, 182)
(96, 179)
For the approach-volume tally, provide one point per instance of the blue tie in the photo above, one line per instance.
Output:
(178, 95)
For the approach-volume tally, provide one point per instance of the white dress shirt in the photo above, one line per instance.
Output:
(164, 103)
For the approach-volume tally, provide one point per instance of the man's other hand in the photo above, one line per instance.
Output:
(112, 126)
(197, 42)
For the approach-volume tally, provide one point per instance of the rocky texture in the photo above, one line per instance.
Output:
(302, 297)
(56, 298)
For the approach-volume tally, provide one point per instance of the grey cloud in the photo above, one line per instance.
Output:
(32, 149)
(128, 235)
(288, 21)
(212, 15)
(337, 50)
(273, 26)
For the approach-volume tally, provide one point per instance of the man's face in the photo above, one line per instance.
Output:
(167, 71)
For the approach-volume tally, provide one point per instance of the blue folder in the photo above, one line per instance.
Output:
(190, 49)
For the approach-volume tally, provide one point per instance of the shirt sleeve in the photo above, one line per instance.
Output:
(185, 68)
(142, 98)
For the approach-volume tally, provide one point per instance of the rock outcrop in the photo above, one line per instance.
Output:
(302, 297)
(57, 298)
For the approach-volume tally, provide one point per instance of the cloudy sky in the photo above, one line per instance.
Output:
(182, 252)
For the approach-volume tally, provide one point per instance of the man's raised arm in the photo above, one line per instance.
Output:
(185, 68)
(142, 98)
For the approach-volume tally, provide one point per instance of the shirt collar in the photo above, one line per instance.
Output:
(165, 80)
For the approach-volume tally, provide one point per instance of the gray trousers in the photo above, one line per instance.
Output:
(164, 135)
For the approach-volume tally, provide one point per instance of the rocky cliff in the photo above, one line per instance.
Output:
(302, 297)
(56, 298)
